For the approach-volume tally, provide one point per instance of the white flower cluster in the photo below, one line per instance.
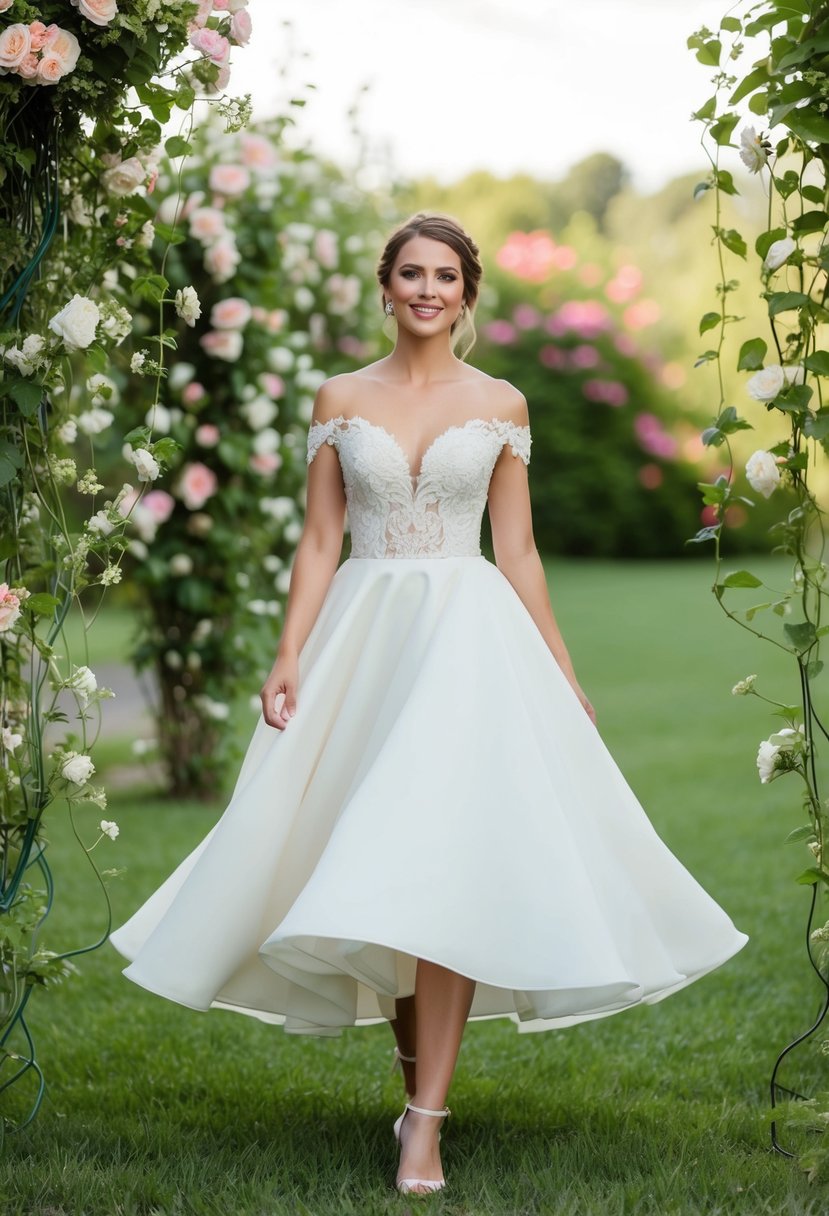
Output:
(778, 753)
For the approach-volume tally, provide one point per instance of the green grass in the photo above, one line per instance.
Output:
(661, 1109)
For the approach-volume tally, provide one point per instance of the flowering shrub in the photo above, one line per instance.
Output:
(607, 423)
(785, 88)
(73, 136)
(277, 249)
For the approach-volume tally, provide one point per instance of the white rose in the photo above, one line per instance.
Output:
(752, 152)
(76, 322)
(779, 252)
(266, 441)
(768, 383)
(102, 389)
(110, 828)
(762, 473)
(100, 523)
(767, 755)
(84, 682)
(124, 178)
(77, 768)
(279, 509)
(159, 418)
(280, 358)
(259, 412)
(146, 464)
(188, 306)
(92, 422)
(68, 431)
(29, 357)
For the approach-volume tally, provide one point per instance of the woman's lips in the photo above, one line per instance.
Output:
(425, 311)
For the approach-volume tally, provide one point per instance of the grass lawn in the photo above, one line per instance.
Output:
(155, 1109)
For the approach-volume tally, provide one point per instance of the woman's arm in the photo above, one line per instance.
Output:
(314, 566)
(516, 555)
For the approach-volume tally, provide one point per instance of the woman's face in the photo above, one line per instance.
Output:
(426, 286)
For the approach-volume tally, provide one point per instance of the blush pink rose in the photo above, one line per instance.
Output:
(207, 435)
(15, 45)
(99, 12)
(211, 44)
(221, 259)
(325, 248)
(265, 463)
(193, 392)
(231, 313)
(222, 344)
(196, 484)
(272, 384)
(50, 68)
(5, 5)
(28, 68)
(257, 152)
(159, 504)
(64, 44)
(229, 179)
(201, 16)
(207, 224)
(241, 28)
(9, 607)
(37, 34)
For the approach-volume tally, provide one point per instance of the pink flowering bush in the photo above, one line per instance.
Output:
(279, 249)
(621, 450)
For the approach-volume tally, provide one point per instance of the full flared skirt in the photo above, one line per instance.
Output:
(440, 794)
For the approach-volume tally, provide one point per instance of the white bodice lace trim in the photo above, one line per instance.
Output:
(435, 513)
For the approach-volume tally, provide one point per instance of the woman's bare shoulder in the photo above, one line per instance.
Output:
(508, 402)
(336, 397)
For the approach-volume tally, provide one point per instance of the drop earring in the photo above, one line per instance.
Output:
(389, 310)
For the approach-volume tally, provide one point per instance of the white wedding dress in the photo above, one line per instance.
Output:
(440, 794)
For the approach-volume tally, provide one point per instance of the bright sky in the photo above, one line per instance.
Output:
(507, 85)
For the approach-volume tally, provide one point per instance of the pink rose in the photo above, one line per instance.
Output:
(207, 435)
(223, 78)
(221, 259)
(325, 248)
(229, 179)
(201, 16)
(257, 152)
(192, 393)
(159, 504)
(207, 224)
(9, 608)
(231, 313)
(64, 44)
(213, 45)
(272, 384)
(50, 69)
(99, 12)
(28, 68)
(241, 28)
(15, 45)
(196, 484)
(5, 4)
(275, 320)
(222, 344)
(265, 463)
(37, 34)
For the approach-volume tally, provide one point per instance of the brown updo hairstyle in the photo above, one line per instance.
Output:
(444, 228)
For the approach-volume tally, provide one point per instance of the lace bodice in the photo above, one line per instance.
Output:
(435, 513)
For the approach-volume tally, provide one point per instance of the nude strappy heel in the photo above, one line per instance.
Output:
(406, 1185)
(397, 1066)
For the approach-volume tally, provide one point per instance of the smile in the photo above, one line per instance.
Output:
(425, 310)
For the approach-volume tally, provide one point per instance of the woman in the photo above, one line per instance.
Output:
(423, 716)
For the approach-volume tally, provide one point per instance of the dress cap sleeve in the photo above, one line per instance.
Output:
(318, 434)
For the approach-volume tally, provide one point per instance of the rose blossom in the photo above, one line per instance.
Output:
(99, 12)
(221, 259)
(146, 465)
(124, 178)
(241, 28)
(265, 462)
(187, 305)
(85, 683)
(768, 383)
(27, 70)
(9, 608)
(160, 505)
(193, 392)
(207, 224)
(325, 248)
(257, 152)
(196, 484)
(779, 252)
(77, 768)
(64, 44)
(5, 4)
(207, 435)
(230, 313)
(213, 45)
(272, 384)
(229, 179)
(222, 344)
(50, 69)
(762, 473)
(259, 413)
(201, 16)
(15, 45)
(76, 322)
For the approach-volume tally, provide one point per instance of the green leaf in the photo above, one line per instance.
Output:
(765, 240)
(805, 832)
(704, 534)
(41, 603)
(751, 612)
(732, 240)
(787, 184)
(700, 188)
(732, 24)
(816, 426)
(729, 421)
(722, 130)
(151, 287)
(752, 354)
(758, 103)
(707, 110)
(814, 669)
(176, 146)
(810, 221)
(185, 96)
(706, 357)
(26, 394)
(818, 362)
(712, 437)
(795, 398)
(713, 492)
(709, 321)
(802, 635)
(742, 578)
(807, 125)
(759, 76)
(813, 194)
(811, 875)
(725, 182)
(784, 301)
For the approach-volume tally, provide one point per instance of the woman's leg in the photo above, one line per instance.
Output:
(442, 1003)
(403, 1028)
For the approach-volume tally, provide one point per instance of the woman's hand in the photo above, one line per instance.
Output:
(280, 684)
(589, 710)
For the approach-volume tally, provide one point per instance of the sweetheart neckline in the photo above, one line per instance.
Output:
(459, 426)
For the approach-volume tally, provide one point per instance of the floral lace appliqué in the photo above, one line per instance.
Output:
(436, 513)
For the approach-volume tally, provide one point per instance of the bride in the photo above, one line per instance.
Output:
(423, 718)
